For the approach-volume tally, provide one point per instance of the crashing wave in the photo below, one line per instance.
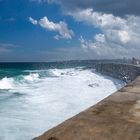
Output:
(7, 83)
(12, 83)
(48, 97)
(32, 77)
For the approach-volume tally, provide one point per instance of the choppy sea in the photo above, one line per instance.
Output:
(34, 97)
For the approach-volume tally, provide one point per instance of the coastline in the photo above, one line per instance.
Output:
(114, 118)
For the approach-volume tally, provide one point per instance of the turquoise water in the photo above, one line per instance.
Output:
(35, 97)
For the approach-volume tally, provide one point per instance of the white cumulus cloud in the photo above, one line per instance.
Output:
(61, 27)
(118, 21)
(120, 36)
(33, 21)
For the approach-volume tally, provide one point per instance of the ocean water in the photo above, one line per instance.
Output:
(35, 97)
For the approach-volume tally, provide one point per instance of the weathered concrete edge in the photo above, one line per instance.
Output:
(116, 117)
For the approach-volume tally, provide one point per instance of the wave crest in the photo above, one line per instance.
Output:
(32, 77)
(11, 83)
(7, 83)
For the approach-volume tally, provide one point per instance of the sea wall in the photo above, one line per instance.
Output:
(123, 72)
(115, 118)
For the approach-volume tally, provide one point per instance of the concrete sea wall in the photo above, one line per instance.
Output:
(123, 72)
(115, 118)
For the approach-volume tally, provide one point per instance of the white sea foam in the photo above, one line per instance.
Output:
(43, 102)
(6, 83)
(32, 77)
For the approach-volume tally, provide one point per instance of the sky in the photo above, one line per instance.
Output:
(55, 30)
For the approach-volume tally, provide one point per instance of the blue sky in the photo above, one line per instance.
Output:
(41, 30)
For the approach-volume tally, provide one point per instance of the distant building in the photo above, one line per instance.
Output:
(135, 61)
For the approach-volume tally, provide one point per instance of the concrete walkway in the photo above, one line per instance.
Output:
(115, 118)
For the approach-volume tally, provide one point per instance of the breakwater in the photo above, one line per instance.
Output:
(123, 72)
(115, 118)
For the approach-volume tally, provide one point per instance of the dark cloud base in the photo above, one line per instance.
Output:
(115, 7)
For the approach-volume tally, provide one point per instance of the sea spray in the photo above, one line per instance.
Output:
(37, 100)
